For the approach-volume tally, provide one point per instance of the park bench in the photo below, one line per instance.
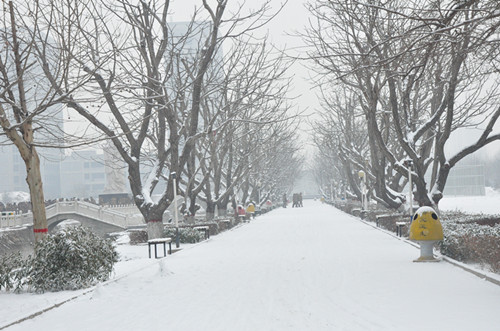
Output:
(385, 217)
(356, 211)
(224, 224)
(204, 229)
(228, 222)
(163, 241)
(399, 228)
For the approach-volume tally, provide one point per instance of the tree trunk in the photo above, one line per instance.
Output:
(222, 211)
(154, 221)
(210, 211)
(154, 228)
(33, 176)
(437, 193)
(222, 206)
(192, 204)
(34, 180)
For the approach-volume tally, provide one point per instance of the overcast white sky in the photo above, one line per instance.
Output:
(293, 17)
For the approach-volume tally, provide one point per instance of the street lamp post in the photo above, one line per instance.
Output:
(364, 200)
(409, 164)
(258, 192)
(176, 211)
(342, 190)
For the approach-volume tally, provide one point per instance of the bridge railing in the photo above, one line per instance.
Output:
(15, 220)
(94, 211)
(76, 207)
(124, 209)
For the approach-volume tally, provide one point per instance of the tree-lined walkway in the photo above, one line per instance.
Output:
(310, 268)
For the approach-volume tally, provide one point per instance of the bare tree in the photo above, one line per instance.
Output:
(28, 104)
(151, 77)
(340, 136)
(252, 106)
(416, 62)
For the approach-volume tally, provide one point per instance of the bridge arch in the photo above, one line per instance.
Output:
(97, 226)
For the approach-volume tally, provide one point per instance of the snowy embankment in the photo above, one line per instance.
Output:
(488, 204)
(311, 268)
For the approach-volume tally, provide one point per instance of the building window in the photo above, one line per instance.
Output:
(98, 187)
(97, 176)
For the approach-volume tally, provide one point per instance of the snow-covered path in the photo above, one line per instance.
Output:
(311, 268)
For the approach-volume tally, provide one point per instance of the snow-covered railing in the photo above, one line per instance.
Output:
(82, 208)
(15, 220)
(94, 211)
(124, 209)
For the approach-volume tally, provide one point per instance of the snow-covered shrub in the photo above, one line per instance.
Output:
(138, 237)
(485, 250)
(71, 259)
(9, 266)
(186, 235)
(453, 243)
(223, 225)
(472, 242)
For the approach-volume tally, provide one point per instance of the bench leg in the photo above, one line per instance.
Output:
(149, 249)
(170, 248)
(156, 252)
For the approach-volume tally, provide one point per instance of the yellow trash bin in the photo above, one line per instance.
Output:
(426, 229)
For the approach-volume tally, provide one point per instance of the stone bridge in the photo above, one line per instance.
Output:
(100, 219)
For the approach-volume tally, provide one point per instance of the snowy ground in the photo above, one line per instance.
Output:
(488, 204)
(311, 268)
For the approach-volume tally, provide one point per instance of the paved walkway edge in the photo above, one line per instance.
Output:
(56, 305)
(45, 310)
(87, 291)
(456, 263)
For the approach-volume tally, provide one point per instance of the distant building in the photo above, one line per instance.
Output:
(47, 125)
(466, 178)
(13, 171)
(83, 174)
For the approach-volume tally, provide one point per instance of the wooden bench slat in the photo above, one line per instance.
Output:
(160, 240)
